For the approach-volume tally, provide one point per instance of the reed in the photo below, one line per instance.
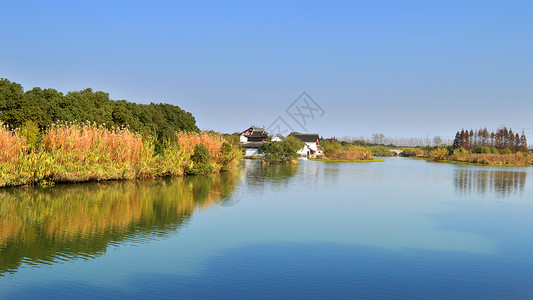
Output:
(12, 145)
(353, 153)
(493, 159)
(70, 152)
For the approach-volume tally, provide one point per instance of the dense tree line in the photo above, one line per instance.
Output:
(502, 139)
(43, 107)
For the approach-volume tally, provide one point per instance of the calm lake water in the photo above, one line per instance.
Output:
(402, 228)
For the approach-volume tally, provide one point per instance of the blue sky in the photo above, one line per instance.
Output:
(401, 68)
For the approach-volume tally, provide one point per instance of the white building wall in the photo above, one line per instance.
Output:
(313, 146)
(304, 151)
(244, 139)
(252, 152)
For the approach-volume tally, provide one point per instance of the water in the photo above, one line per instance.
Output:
(398, 229)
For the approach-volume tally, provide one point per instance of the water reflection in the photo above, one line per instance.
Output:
(80, 221)
(257, 174)
(500, 183)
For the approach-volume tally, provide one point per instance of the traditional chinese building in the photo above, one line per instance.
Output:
(312, 147)
(254, 137)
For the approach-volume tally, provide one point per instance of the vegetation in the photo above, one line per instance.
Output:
(502, 147)
(89, 152)
(412, 152)
(284, 151)
(355, 151)
(381, 151)
(41, 108)
(481, 139)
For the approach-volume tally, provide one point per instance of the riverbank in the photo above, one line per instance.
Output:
(347, 160)
(461, 156)
(468, 163)
(87, 152)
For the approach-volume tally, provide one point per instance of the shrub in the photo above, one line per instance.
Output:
(482, 149)
(381, 151)
(200, 161)
(284, 151)
(412, 152)
(230, 155)
(330, 147)
(506, 151)
(439, 154)
(353, 153)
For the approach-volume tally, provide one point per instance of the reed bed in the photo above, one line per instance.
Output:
(71, 152)
(120, 145)
(493, 159)
(12, 145)
(188, 140)
(223, 156)
(353, 153)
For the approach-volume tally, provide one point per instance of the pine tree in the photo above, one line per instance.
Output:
(457, 140)
(523, 142)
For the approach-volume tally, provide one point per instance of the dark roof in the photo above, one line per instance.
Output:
(252, 130)
(258, 134)
(307, 138)
(253, 144)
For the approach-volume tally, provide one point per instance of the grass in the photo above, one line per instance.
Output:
(518, 159)
(347, 160)
(88, 152)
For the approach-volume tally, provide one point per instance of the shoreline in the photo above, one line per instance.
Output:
(330, 160)
(469, 163)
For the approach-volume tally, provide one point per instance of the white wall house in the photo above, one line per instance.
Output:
(252, 149)
(254, 137)
(311, 148)
(277, 138)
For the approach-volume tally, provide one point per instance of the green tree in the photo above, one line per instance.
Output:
(200, 161)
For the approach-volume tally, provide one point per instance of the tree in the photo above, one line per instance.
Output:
(200, 161)
(523, 142)
(11, 103)
(437, 141)
(284, 151)
(330, 147)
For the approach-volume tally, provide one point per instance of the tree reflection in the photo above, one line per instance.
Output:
(80, 221)
(256, 174)
(501, 183)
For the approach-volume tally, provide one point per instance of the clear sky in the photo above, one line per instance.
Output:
(401, 68)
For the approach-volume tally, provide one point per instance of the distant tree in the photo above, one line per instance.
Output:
(523, 142)
(437, 141)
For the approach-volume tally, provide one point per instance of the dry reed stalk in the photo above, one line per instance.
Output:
(11, 144)
(120, 145)
(188, 140)
(352, 155)
(497, 159)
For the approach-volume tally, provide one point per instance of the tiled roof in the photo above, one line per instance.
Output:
(253, 144)
(307, 138)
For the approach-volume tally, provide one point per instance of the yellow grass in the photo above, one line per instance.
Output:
(89, 152)
(120, 145)
(493, 159)
(353, 153)
(11, 145)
